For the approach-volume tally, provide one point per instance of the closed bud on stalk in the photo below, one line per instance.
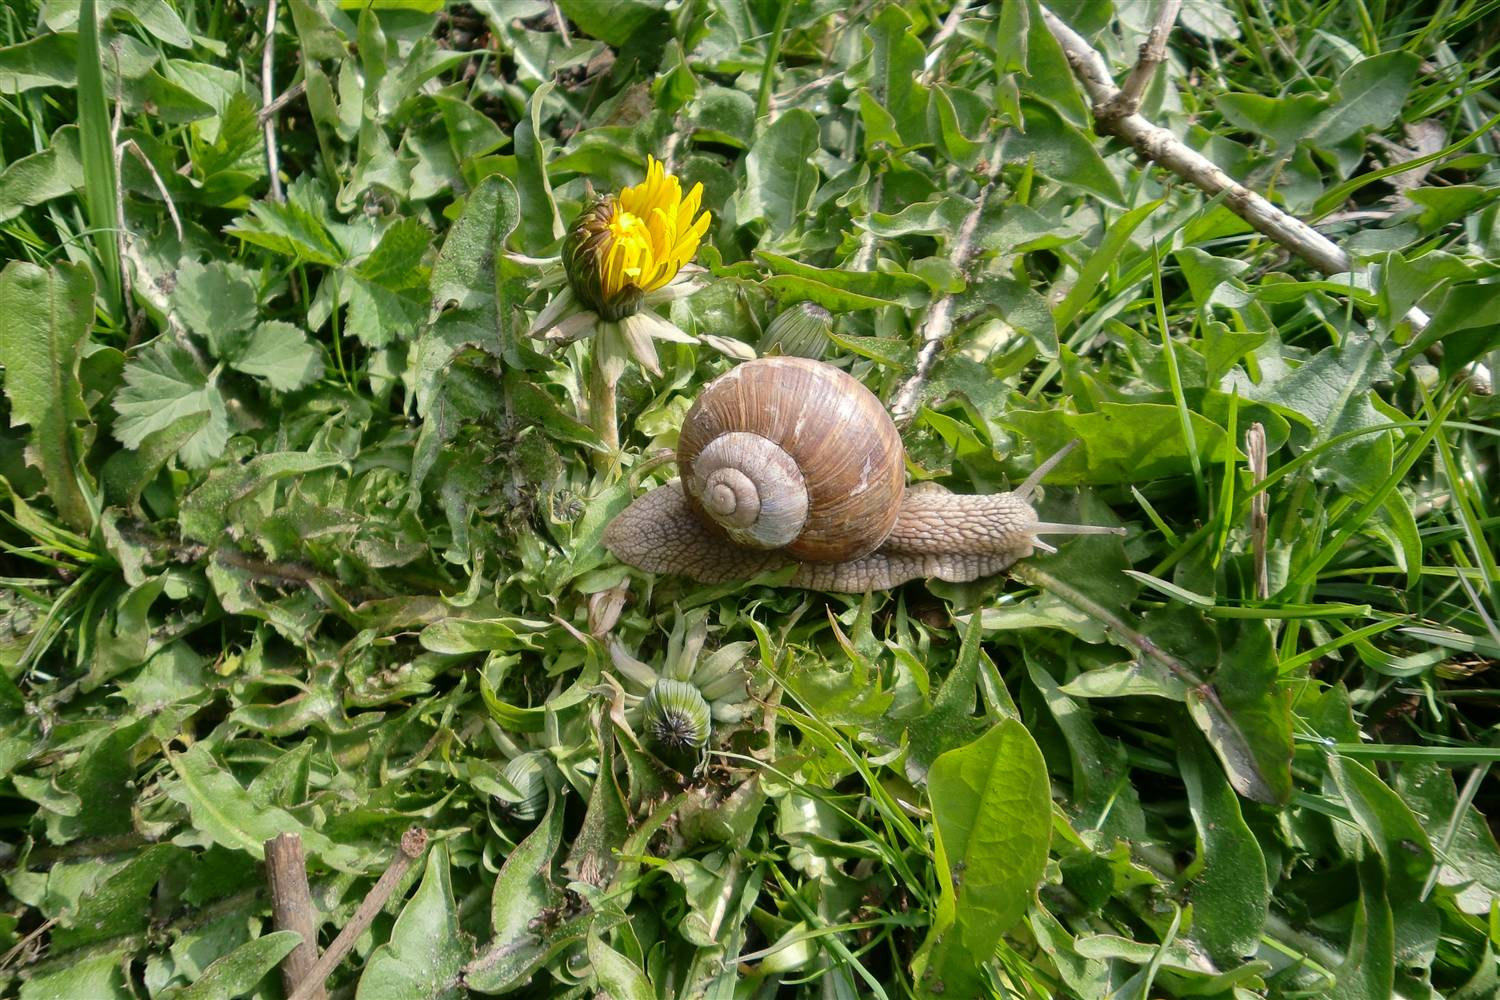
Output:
(800, 331)
(677, 724)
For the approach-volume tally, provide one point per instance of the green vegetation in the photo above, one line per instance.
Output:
(300, 529)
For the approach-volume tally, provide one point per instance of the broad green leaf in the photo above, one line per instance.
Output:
(1018, 304)
(895, 64)
(1243, 712)
(523, 889)
(1229, 890)
(427, 950)
(98, 977)
(239, 972)
(208, 509)
(464, 272)
(281, 354)
(992, 819)
(1103, 795)
(1283, 120)
(1059, 150)
(224, 813)
(617, 974)
(611, 21)
(538, 220)
(1048, 72)
(127, 473)
(1469, 856)
(1331, 393)
(49, 60)
(51, 173)
(47, 315)
(780, 174)
(1370, 93)
(1368, 969)
(163, 386)
(1122, 442)
(943, 122)
(117, 905)
(843, 290)
(1401, 844)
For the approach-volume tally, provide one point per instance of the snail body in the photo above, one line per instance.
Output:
(791, 461)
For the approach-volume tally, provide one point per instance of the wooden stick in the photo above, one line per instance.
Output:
(939, 321)
(413, 843)
(267, 98)
(1162, 147)
(1153, 53)
(292, 910)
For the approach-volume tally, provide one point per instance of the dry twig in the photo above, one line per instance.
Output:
(289, 95)
(1153, 53)
(292, 910)
(413, 843)
(1255, 451)
(1162, 147)
(267, 98)
(939, 321)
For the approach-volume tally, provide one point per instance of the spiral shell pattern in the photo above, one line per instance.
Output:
(787, 453)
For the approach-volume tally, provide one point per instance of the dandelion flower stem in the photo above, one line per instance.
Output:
(602, 410)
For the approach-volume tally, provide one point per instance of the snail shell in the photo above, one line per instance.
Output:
(791, 454)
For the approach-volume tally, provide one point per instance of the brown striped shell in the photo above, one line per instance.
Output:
(793, 454)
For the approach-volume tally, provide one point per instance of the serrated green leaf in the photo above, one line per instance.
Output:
(47, 319)
(163, 385)
(215, 301)
(281, 354)
(224, 813)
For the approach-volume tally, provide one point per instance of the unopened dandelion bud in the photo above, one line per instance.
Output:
(799, 331)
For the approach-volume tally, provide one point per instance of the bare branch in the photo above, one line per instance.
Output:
(292, 909)
(1161, 146)
(940, 40)
(289, 95)
(130, 145)
(1152, 53)
(939, 321)
(267, 98)
(413, 843)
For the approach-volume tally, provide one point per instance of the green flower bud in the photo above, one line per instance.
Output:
(528, 775)
(800, 331)
(677, 723)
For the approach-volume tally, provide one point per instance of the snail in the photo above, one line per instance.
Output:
(792, 461)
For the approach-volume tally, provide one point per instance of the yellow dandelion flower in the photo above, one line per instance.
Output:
(624, 246)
